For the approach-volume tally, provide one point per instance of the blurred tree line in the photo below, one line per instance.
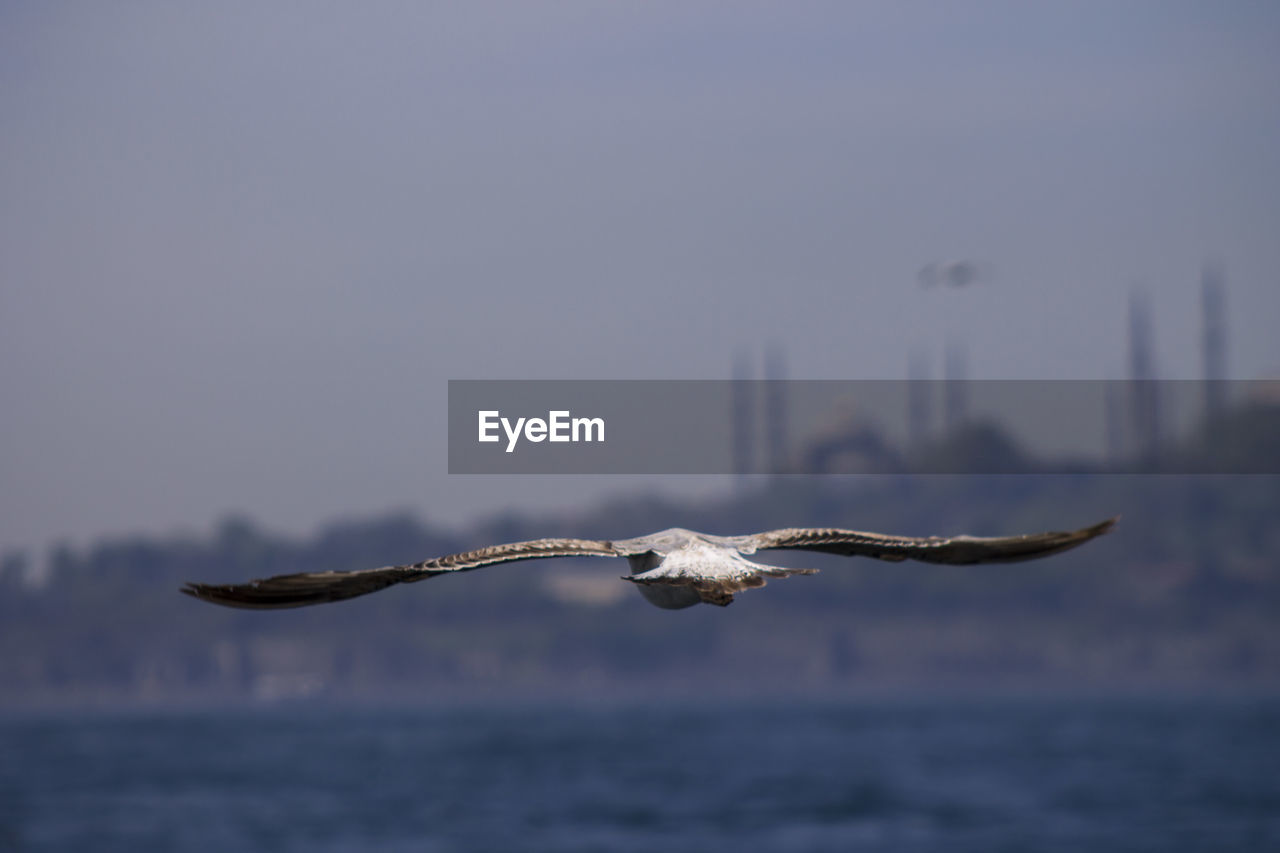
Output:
(1185, 593)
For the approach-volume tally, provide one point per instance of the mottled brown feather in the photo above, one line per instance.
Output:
(304, 588)
(958, 550)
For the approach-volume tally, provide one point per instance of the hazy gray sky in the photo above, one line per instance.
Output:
(243, 247)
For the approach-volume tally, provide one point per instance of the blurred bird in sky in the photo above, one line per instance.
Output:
(954, 273)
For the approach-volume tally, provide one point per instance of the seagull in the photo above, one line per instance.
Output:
(954, 273)
(673, 569)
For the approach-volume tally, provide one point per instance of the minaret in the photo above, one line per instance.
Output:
(1113, 413)
(775, 409)
(919, 401)
(743, 416)
(1144, 403)
(1214, 341)
(955, 401)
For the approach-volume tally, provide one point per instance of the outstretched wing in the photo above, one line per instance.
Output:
(299, 590)
(960, 550)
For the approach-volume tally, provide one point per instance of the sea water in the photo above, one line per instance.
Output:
(912, 775)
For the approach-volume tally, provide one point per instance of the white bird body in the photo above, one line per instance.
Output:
(678, 568)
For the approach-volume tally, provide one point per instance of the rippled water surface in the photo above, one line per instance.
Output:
(976, 775)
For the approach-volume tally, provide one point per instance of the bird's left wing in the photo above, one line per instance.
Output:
(959, 550)
(299, 590)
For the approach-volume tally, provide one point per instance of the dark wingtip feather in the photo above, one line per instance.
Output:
(197, 590)
(255, 595)
(1087, 533)
(1053, 543)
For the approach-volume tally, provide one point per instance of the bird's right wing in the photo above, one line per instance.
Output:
(960, 550)
(299, 590)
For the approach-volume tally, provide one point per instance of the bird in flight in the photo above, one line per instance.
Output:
(673, 568)
(953, 273)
